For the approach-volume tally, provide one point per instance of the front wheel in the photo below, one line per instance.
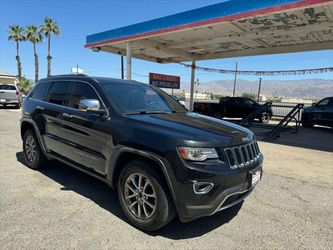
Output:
(144, 197)
(265, 117)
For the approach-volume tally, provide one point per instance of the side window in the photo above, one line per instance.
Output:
(323, 103)
(330, 104)
(248, 101)
(41, 91)
(82, 91)
(59, 93)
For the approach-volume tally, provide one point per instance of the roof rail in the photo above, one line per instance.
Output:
(68, 75)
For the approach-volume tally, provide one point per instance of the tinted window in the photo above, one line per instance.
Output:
(7, 87)
(330, 104)
(41, 91)
(59, 93)
(248, 101)
(323, 102)
(82, 91)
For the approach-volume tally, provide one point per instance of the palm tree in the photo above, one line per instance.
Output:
(50, 27)
(24, 85)
(16, 34)
(34, 35)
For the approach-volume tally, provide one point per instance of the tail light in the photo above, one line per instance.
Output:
(17, 93)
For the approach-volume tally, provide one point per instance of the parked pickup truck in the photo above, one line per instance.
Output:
(9, 94)
(232, 107)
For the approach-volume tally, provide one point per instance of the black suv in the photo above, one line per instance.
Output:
(320, 113)
(161, 159)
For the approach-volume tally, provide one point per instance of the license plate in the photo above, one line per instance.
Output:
(2, 100)
(256, 177)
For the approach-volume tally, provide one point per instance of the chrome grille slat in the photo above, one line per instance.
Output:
(243, 155)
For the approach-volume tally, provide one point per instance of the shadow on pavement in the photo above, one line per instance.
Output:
(8, 107)
(106, 198)
(316, 138)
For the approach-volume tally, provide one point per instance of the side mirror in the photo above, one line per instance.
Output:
(91, 106)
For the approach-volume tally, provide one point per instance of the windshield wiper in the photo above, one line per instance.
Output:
(144, 112)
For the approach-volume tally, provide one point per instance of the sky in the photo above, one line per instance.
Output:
(79, 18)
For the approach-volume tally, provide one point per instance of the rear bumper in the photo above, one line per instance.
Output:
(9, 101)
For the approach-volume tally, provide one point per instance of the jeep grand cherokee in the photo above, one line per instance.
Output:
(163, 160)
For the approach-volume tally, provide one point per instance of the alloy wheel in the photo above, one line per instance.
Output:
(140, 196)
(30, 148)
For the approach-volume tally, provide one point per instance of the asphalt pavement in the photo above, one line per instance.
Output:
(59, 207)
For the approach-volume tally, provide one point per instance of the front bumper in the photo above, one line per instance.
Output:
(219, 198)
(230, 187)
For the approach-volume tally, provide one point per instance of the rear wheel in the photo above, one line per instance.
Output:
(218, 115)
(306, 122)
(144, 197)
(33, 154)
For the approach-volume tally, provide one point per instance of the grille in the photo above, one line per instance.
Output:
(243, 156)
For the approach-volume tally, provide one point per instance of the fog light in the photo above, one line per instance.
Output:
(202, 187)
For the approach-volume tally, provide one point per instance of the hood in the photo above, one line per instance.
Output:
(195, 127)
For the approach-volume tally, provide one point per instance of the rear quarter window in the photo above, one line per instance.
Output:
(41, 91)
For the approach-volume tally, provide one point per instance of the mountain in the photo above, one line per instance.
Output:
(312, 88)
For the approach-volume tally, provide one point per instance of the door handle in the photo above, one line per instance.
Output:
(40, 107)
(67, 115)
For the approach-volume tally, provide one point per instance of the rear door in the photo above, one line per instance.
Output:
(248, 106)
(236, 109)
(86, 138)
(52, 110)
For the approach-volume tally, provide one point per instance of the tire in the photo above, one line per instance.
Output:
(306, 123)
(156, 206)
(18, 105)
(264, 117)
(218, 115)
(33, 154)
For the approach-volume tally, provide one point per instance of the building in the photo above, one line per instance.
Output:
(198, 96)
(7, 78)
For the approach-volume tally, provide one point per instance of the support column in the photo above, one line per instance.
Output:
(128, 61)
(192, 85)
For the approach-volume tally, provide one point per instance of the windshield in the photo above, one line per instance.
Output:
(134, 98)
(7, 87)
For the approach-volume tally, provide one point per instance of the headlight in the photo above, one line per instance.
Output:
(197, 154)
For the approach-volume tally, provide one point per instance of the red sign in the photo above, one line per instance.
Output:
(164, 81)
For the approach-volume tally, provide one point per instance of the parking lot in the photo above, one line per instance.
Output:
(59, 207)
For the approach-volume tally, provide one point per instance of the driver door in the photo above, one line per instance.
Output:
(320, 113)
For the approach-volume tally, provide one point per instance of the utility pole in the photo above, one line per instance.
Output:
(77, 69)
(233, 93)
(259, 89)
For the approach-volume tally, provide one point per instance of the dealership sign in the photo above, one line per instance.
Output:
(164, 81)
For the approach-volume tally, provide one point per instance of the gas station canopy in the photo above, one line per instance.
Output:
(228, 29)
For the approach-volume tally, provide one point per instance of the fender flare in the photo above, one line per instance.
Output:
(36, 130)
(148, 155)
